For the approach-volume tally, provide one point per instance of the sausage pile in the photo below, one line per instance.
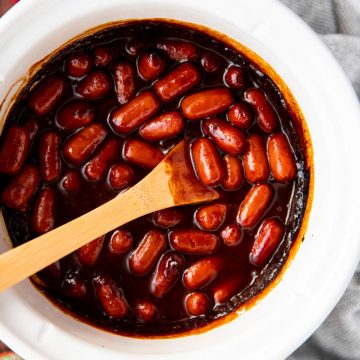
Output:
(103, 113)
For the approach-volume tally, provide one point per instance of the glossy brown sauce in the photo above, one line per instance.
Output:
(288, 204)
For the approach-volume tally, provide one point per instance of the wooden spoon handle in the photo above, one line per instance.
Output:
(23, 261)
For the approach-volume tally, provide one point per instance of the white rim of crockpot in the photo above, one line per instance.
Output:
(325, 71)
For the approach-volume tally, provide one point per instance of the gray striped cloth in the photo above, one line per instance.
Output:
(338, 25)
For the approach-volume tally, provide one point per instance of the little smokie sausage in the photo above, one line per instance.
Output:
(254, 205)
(89, 253)
(235, 77)
(120, 176)
(43, 214)
(111, 297)
(225, 289)
(134, 113)
(74, 285)
(47, 95)
(32, 126)
(144, 257)
(207, 162)
(95, 85)
(231, 235)
(240, 114)
(206, 103)
(266, 241)
(194, 242)
(197, 304)
(49, 156)
(202, 272)
(21, 188)
(71, 181)
(78, 65)
(226, 136)
(121, 241)
(177, 82)
(97, 167)
(168, 271)
(210, 61)
(103, 55)
(179, 50)
(145, 310)
(81, 145)
(141, 153)
(281, 158)
(164, 126)
(14, 150)
(211, 217)
(75, 114)
(266, 116)
(233, 177)
(124, 76)
(255, 162)
(167, 218)
(151, 64)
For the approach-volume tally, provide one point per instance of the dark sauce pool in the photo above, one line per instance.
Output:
(288, 203)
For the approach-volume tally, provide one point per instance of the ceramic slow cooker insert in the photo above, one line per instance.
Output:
(66, 330)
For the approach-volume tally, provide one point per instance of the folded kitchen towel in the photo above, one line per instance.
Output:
(338, 24)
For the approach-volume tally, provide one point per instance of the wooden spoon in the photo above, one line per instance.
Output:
(171, 183)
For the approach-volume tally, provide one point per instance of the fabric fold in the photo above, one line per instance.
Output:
(338, 25)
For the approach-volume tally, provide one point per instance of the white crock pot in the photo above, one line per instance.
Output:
(326, 260)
